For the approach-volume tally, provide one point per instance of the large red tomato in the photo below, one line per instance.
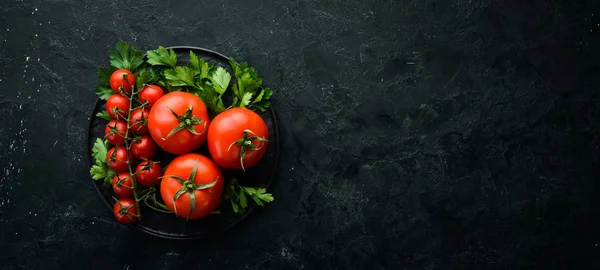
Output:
(192, 186)
(237, 139)
(178, 122)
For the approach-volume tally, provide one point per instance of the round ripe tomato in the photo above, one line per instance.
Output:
(201, 181)
(237, 134)
(117, 159)
(125, 211)
(147, 173)
(182, 134)
(151, 93)
(115, 132)
(143, 147)
(117, 103)
(117, 81)
(122, 186)
(138, 121)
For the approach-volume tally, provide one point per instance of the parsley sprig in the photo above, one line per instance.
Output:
(238, 196)
(100, 170)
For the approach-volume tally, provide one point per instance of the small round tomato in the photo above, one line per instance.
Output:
(122, 185)
(115, 132)
(125, 211)
(138, 121)
(117, 105)
(237, 139)
(151, 93)
(147, 173)
(182, 133)
(117, 159)
(117, 81)
(143, 147)
(192, 186)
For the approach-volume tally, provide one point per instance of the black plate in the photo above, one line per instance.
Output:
(168, 225)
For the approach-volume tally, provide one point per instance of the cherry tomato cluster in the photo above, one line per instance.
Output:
(145, 121)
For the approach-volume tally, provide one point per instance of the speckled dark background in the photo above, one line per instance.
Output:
(415, 134)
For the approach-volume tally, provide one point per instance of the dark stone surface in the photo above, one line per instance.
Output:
(458, 134)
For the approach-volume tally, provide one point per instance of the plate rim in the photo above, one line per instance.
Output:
(241, 218)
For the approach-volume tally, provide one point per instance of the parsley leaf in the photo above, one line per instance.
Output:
(104, 74)
(180, 76)
(248, 92)
(220, 80)
(104, 115)
(126, 57)
(100, 170)
(237, 195)
(162, 56)
(103, 92)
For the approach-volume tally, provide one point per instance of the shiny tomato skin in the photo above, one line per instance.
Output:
(124, 187)
(116, 138)
(119, 164)
(161, 122)
(148, 177)
(117, 101)
(207, 172)
(143, 148)
(150, 93)
(130, 215)
(116, 80)
(227, 128)
(138, 121)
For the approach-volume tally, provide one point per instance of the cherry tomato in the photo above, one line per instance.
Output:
(115, 132)
(122, 186)
(117, 159)
(201, 180)
(147, 173)
(182, 134)
(117, 81)
(151, 93)
(143, 147)
(125, 211)
(119, 103)
(235, 133)
(138, 121)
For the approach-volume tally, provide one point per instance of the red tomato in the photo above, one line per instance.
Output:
(117, 81)
(237, 134)
(138, 121)
(122, 186)
(200, 179)
(143, 147)
(118, 103)
(117, 159)
(147, 173)
(151, 93)
(115, 132)
(182, 134)
(125, 211)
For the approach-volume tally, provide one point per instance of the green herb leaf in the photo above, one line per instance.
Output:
(104, 74)
(220, 80)
(248, 91)
(100, 170)
(238, 194)
(103, 92)
(246, 99)
(162, 56)
(142, 78)
(126, 57)
(180, 76)
(104, 115)
(100, 149)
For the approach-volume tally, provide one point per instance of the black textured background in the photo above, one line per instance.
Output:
(415, 134)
